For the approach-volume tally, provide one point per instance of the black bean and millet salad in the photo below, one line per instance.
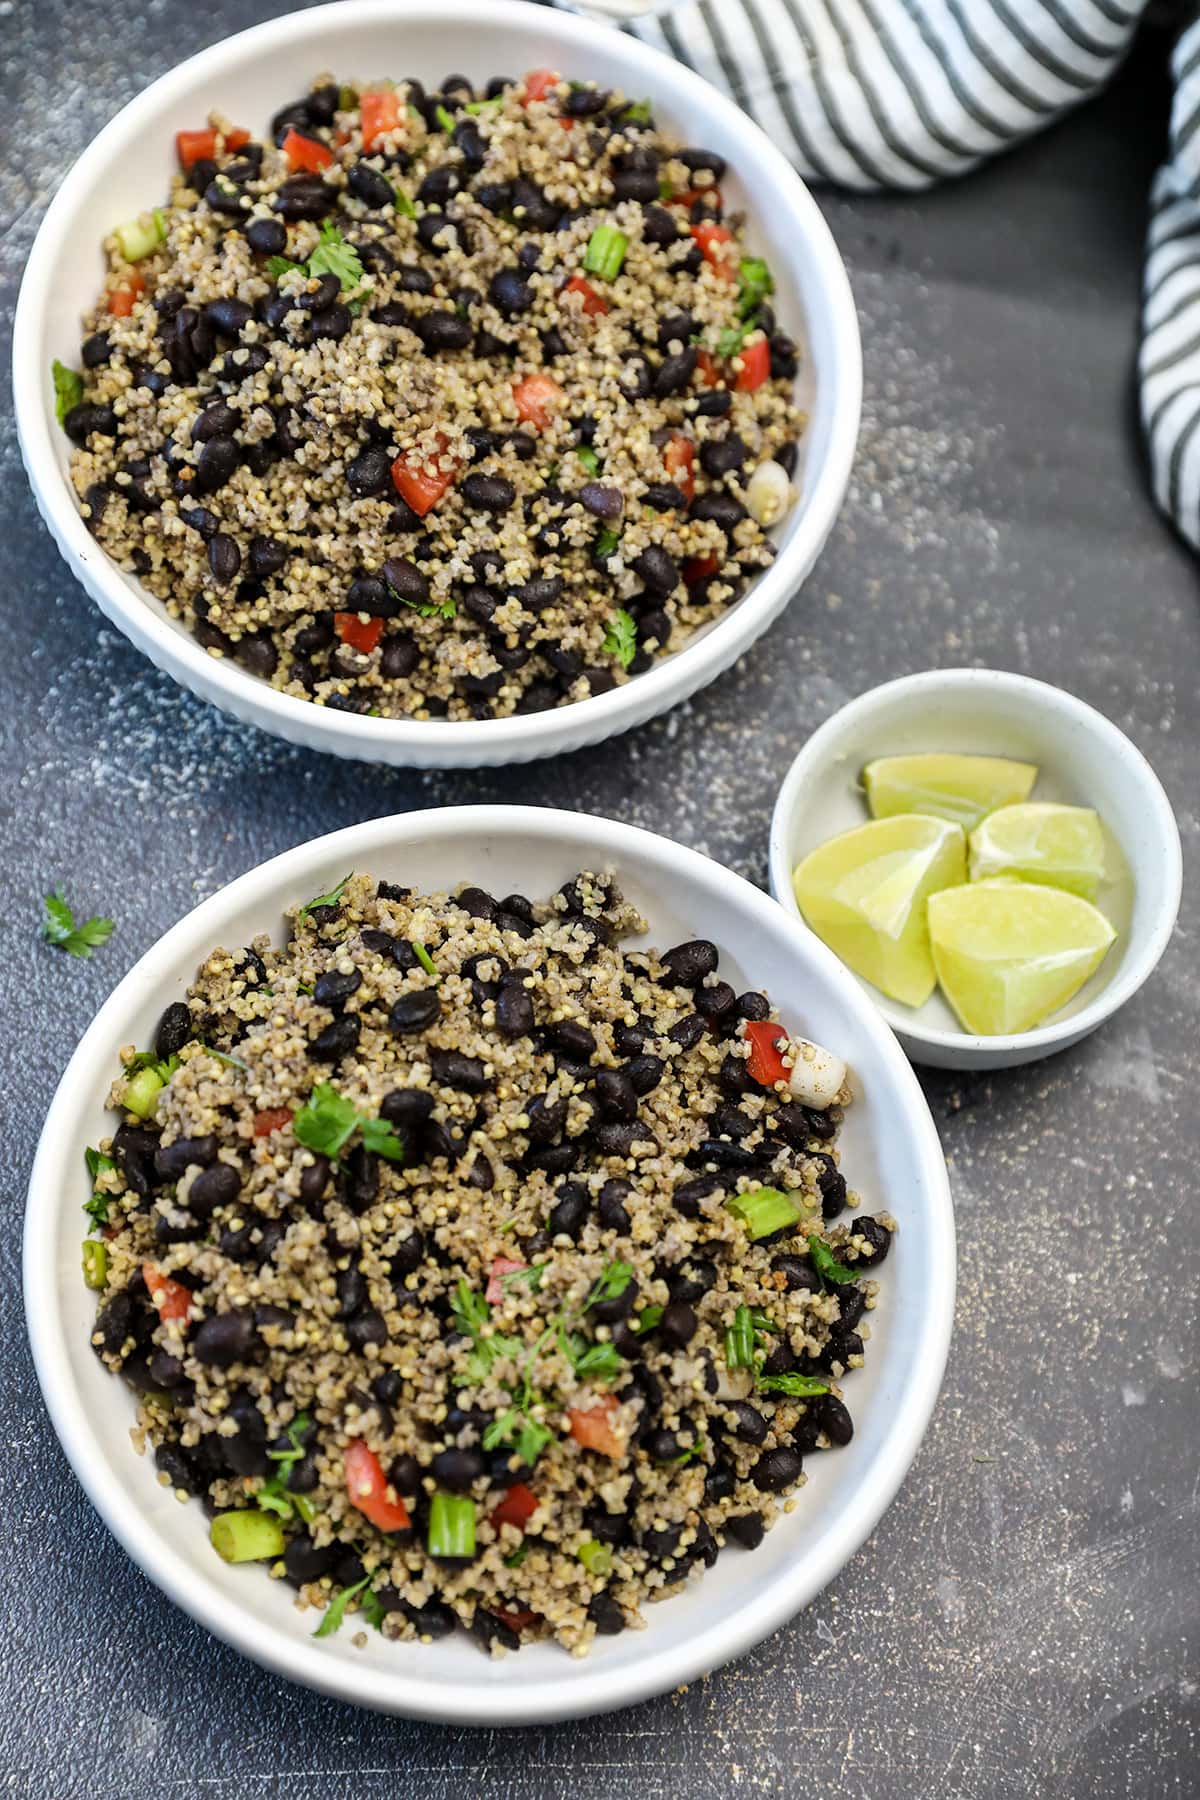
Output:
(474, 1270)
(437, 405)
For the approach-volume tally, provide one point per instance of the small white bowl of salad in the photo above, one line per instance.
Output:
(994, 860)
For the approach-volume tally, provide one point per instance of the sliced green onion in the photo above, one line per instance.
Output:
(246, 1537)
(827, 1265)
(800, 1387)
(636, 114)
(426, 961)
(444, 117)
(739, 1340)
(451, 1525)
(141, 1094)
(605, 252)
(764, 1211)
(587, 456)
(347, 99)
(95, 1264)
(404, 205)
(482, 106)
(138, 237)
(596, 1557)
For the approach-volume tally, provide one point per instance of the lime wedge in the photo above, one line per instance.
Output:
(1008, 954)
(1062, 846)
(864, 894)
(962, 789)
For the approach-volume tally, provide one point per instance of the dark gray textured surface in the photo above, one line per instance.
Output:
(1027, 1617)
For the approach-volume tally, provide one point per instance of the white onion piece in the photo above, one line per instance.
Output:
(817, 1075)
(768, 493)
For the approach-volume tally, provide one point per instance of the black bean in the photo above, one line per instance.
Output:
(714, 403)
(852, 1304)
(877, 1235)
(415, 1011)
(754, 1006)
(372, 187)
(778, 1469)
(267, 237)
(469, 140)
(370, 472)
(408, 1255)
(216, 465)
(334, 988)
(702, 159)
(437, 232)
(87, 418)
(314, 1179)
(719, 1481)
(225, 1338)
(687, 964)
(304, 1561)
(202, 520)
(745, 1529)
(605, 1615)
(572, 1039)
(171, 1161)
(602, 501)
(662, 1544)
(174, 1029)
(716, 1002)
(678, 1324)
(721, 456)
(531, 207)
(368, 1328)
(455, 1469)
(725, 1155)
(351, 1288)
(659, 571)
(490, 493)
(95, 350)
(222, 195)
(687, 1197)
(719, 508)
(750, 1426)
(441, 330)
(398, 658)
(688, 1031)
(333, 323)
(514, 1011)
(404, 1472)
(494, 196)
(675, 372)
(691, 1280)
(408, 1109)
(831, 1184)
(570, 1211)
(406, 580)
(614, 1138)
(229, 316)
(224, 558)
(611, 1209)
(545, 1122)
(441, 184)
(336, 1040)
(583, 102)
(797, 1273)
(616, 1094)
(304, 197)
(266, 556)
(784, 361)
(834, 1419)
(635, 184)
(216, 1186)
(489, 1630)
(454, 1069)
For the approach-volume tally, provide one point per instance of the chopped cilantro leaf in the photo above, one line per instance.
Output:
(620, 639)
(426, 961)
(68, 389)
(649, 1319)
(373, 1609)
(800, 1387)
(335, 256)
(755, 282)
(59, 928)
(335, 1612)
(332, 898)
(404, 205)
(280, 265)
(377, 1135)
(611, 1282)
(96, 1207)
(326, 1122)
(606, 542)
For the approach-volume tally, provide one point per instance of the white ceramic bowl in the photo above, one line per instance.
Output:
(1084, 761)
(892, 1158)
(128, 167)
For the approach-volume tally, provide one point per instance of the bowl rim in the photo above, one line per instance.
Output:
(466, 742)
(1146, 945)
(591, 1689)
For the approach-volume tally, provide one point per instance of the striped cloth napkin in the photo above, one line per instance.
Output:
(901, 93)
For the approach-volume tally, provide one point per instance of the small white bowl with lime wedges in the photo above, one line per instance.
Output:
(1014, 870)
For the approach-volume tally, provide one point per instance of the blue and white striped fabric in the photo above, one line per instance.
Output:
(902, 93)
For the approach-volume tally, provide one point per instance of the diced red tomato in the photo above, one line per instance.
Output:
(592, 1427)
(714, 241)
(173, 1300)
(536, 397)
(517, 1507)
(538, 83)
(121, 299)
(764, 1062)
(274, 1119)
(197, 146)
(306, 153)
(691, 195)
(593, 302)
(420, 486)
(679, 457)
(380, 114)
(366, 1485)
(708, 369)
(516, 1621)
(360, 634)
(501, 1266)
(755, 360)
(699, 568)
